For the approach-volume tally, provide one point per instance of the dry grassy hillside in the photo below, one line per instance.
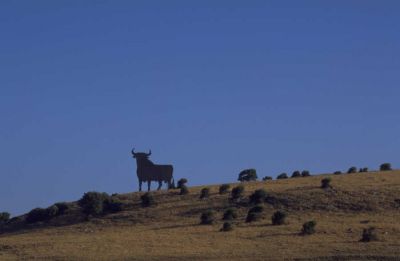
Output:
(170, 230)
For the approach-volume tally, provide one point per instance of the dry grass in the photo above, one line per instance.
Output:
(170, 230)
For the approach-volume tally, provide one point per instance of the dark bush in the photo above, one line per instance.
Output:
(230, 214)
(267, 178)
(248, 175)
(204, 193)
(52, 211)
(385, 167)
(4, 217)
(305, 173)
(282, 176)
(326, 183)
(369, 234)
(352, 170)
(227, 226)
(42, 214)
(254, 214)
(237, 192)
(309, 228)
(258, 196)
(147, 200)
(181, 183)
(278, 218)
(62, 208)
(92, 203)
(113, 205)
(337, 172)
(207, 217)
(296, 174)
(184, 190)
(363, 170)
(224, 188)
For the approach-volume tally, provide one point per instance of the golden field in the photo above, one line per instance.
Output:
(170, 230)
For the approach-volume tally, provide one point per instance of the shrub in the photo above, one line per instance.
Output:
(352, 170)
(62, 207)
(258, 196)
(237, 192)
(282, 176)
(363, 170)
(369, 234)
(305, 173)
(337, 172)
(4, 217)
(278, 218)
(204, 193)
(296, 174)
(42, 214)
(207, 217)
(326, 183)
(147, 200)
(52, 211)
(248, 175)
(385, 167)
(267, 178)
(181, 183)
(113, 205)
(93, 202)
(224, 188)
(230, 214)
(227, 226)
(309, 228)
(184, 190)
(254, 214)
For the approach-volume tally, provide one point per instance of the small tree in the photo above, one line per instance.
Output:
(227, 226)
(296, 174)
(326, 183)
(4, 217)
(147, 200)
(363, 170)
(230, 214)
(309, 228)
(224, 188)
(305, 173)
(92, 202)
(204, 193)
(385, 167)
(267, 178)
(282, 176)
(181, 183)
(254, 214)
(258, 196)
(248, 175)
(369, 234)
(207, 218)
(278, 218)
(237, 192)
(352, 170)
(184, 190)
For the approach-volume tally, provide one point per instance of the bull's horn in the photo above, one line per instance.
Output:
(148, 154)
(133, 151)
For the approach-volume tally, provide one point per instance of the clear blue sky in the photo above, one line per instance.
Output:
(212, 87)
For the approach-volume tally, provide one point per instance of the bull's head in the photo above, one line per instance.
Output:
(140, 154)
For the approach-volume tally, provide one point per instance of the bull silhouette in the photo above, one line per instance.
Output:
(147, 171)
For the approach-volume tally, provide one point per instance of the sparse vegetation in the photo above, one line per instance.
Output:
(227, 226)
(92, 203)
(385, 167)
(184, 190)
(258, 196)
(182, 182)
(230, 214)
(224, 188)
(308, 228)
(296, 174)
(282, 176)
(352, 170)
(369, 234)
(237, 192)
(254, 214)
(42, 214)
(267, 178)
(62, 207)
(207, 218)
(278, 218)
(113, 205)
(248, 175)
(337, 172)
(4, 217)
(363, 170)
(147, 200)
(305, 173)
(326, 183)
(204, 193)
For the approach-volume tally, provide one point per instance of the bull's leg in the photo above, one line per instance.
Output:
(159, 184)
(140, 185)
(148, 185)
